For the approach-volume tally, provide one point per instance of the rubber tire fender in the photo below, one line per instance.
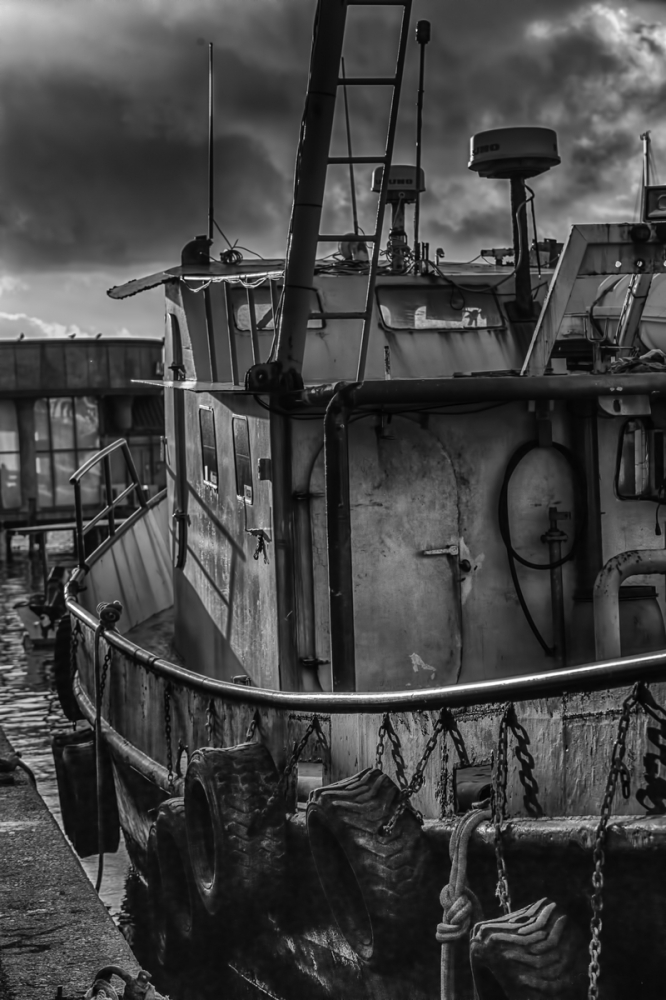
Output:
(376, 884)
(236, 860)
(62, 670)
(163, 947)
(186, 919)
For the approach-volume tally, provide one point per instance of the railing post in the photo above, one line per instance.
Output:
(109, 494)
(133, 473)
(80, 544)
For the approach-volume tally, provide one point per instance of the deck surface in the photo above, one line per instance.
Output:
(54, 929)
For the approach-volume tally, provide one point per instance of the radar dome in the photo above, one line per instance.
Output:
(513, 152)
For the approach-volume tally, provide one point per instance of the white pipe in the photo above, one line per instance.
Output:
(606, 595)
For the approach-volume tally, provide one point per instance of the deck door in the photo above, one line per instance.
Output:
(404, 504)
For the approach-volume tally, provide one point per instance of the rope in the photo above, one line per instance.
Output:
(459, 903)
(109, 614)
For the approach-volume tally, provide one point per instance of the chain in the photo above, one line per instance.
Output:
(108, 657)
(498, 807)
(417, 779)
(73, 647)
(167, 735)
(252, 728)
(618, 769)
(280, 789)
(210, 721)
(381, 735)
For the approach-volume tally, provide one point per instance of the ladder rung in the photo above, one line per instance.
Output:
(357, 159)
(361, 237)
(368, 81)
(339, 315)
(378, 3)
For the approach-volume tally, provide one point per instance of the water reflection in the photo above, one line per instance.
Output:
(29, 708)
(29, 715)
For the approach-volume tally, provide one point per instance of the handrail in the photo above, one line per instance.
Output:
(586, 677)
(111, 502)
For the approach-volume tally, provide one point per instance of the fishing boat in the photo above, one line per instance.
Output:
(380, 673)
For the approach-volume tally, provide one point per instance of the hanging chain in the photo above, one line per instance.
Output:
(210, 722)
(77, 631)
(381, 736)
(281, 787)
(167, 735)
(417, 779)
(108, 657)
(618, 769)
(252, 728)
(498, 802)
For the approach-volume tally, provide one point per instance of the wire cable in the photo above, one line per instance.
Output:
(505, 526)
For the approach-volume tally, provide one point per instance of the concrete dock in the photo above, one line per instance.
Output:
(54, 929)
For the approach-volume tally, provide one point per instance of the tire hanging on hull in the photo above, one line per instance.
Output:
(235, 859)
(376, 884)
(62, 670)
(182, 923)
(74, 758)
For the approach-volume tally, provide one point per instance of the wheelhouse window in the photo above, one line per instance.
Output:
(208, 446)
(10, 461)
(440, 308)
(66, 435)
(263, 309)
(242, 460)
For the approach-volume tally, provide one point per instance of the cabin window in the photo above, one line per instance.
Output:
(441, 308)
(641, 468)
(263, 309)
(10, 459)
(208, 446)
(66, 435)
(242, 460)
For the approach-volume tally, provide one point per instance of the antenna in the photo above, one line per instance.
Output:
(645, 138)
(211, 186)
(352, 183)
(422, 37)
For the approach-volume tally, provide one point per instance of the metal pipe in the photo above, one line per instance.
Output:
(554, 539)
(233, 358)
(422, 37)
(254, 333)
(338, 529)
(210, 334)
(352, 181)
(645, 138)
(521, 248)
(310, 181)
(606, 595)
(612, 673)
(486, 389)
(305, 594)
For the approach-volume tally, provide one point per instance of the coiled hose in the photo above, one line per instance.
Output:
(580, 485)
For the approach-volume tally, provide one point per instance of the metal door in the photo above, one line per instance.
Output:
(404, 504)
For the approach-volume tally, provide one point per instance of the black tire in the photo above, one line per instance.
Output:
(186, 918)
(62, 670)
(162, 946)
(375, 883)
(235, 827)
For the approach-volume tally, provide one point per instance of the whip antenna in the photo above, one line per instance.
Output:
(211, 191)
(352, 182)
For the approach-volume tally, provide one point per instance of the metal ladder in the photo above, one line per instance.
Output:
(301, 260)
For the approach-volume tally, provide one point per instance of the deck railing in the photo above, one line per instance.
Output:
(108, 512)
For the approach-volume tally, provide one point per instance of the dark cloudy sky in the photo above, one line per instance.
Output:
(103, 131)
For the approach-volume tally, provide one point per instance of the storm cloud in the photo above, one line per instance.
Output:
(103, 120)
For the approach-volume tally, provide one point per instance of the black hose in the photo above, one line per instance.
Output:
(505, 526)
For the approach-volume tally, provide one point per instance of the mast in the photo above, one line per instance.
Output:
(645, 138)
